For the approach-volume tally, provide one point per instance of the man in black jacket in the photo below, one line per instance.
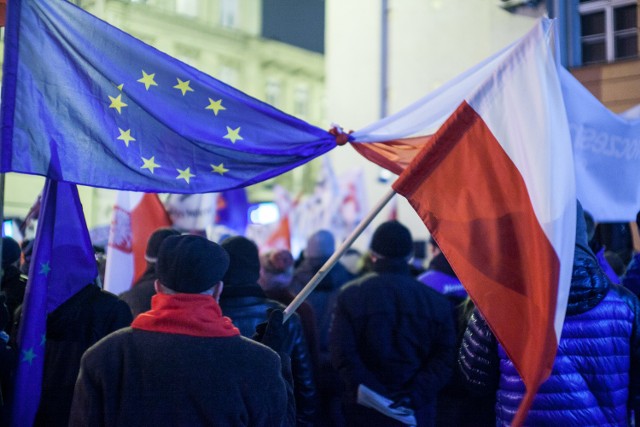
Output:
(244, 301)
(183, 363)
(392, 334)
(138, 298)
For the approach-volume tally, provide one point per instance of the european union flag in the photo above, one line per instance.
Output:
(63, 263)
(87, 103)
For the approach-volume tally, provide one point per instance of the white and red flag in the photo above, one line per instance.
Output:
(135, 217)
(495, 186)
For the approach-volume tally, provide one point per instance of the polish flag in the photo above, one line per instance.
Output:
(135, 217)
(495, 187)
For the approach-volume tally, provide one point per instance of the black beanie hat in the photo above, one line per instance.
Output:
(156, 238)
(392, 240)
(10, 251)
(190, 264)
(244, 265)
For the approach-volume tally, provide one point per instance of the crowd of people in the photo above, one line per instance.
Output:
(199, 339)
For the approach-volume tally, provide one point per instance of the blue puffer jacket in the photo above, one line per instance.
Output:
(595, 376)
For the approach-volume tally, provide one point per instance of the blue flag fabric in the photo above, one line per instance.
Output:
(87, 103)
(232, 212)
(63, 263)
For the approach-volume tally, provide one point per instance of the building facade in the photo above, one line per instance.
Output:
(599, 44)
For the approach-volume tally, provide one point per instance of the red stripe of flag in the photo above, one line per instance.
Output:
(475, 203)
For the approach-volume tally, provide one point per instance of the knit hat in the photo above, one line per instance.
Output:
(321, 244)
(276, 261)
(10, 251)
(392, 240)
(244, 265)
(156, 238)
(190, 264)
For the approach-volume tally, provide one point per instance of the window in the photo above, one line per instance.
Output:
(608, 30)
(229, 13)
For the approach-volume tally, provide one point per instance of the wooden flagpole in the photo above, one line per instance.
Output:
(315, 280)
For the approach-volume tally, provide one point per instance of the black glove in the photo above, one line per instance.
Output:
(273, 332)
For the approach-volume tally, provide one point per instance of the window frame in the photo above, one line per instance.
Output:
(606, 6)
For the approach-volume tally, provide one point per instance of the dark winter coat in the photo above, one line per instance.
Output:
(595, 376)
(247, 307)
(14, 284)
(72, 328)
(307, 319)
(200, 381)
(138, 298)
(395, 335)
(323, 297)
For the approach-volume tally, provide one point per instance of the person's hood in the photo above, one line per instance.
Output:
(589, 284)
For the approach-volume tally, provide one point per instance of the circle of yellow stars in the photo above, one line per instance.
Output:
(184, 86)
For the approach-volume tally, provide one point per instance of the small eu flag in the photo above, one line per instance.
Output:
(63, 263)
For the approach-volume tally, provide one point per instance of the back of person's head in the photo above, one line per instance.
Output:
(320, 244)
(638, 220)
(155, 240)
(616, 262)
(10, 251)
(244, 264)
(392, 240)
(190, 264)
(277, 261)
(276, 269)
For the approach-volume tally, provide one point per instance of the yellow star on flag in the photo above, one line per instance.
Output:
(183, 87)
(117, 103)
(120, 87)
(216, 106)
(147, 80)
(149, 163)
(185, 174)
(125, 135)
(233, 134)
(219, 169)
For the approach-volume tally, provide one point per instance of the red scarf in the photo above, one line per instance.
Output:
(185, 314)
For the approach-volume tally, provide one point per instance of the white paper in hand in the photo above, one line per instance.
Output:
(373, 400)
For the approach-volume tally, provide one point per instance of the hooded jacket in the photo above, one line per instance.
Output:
(595, 376)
